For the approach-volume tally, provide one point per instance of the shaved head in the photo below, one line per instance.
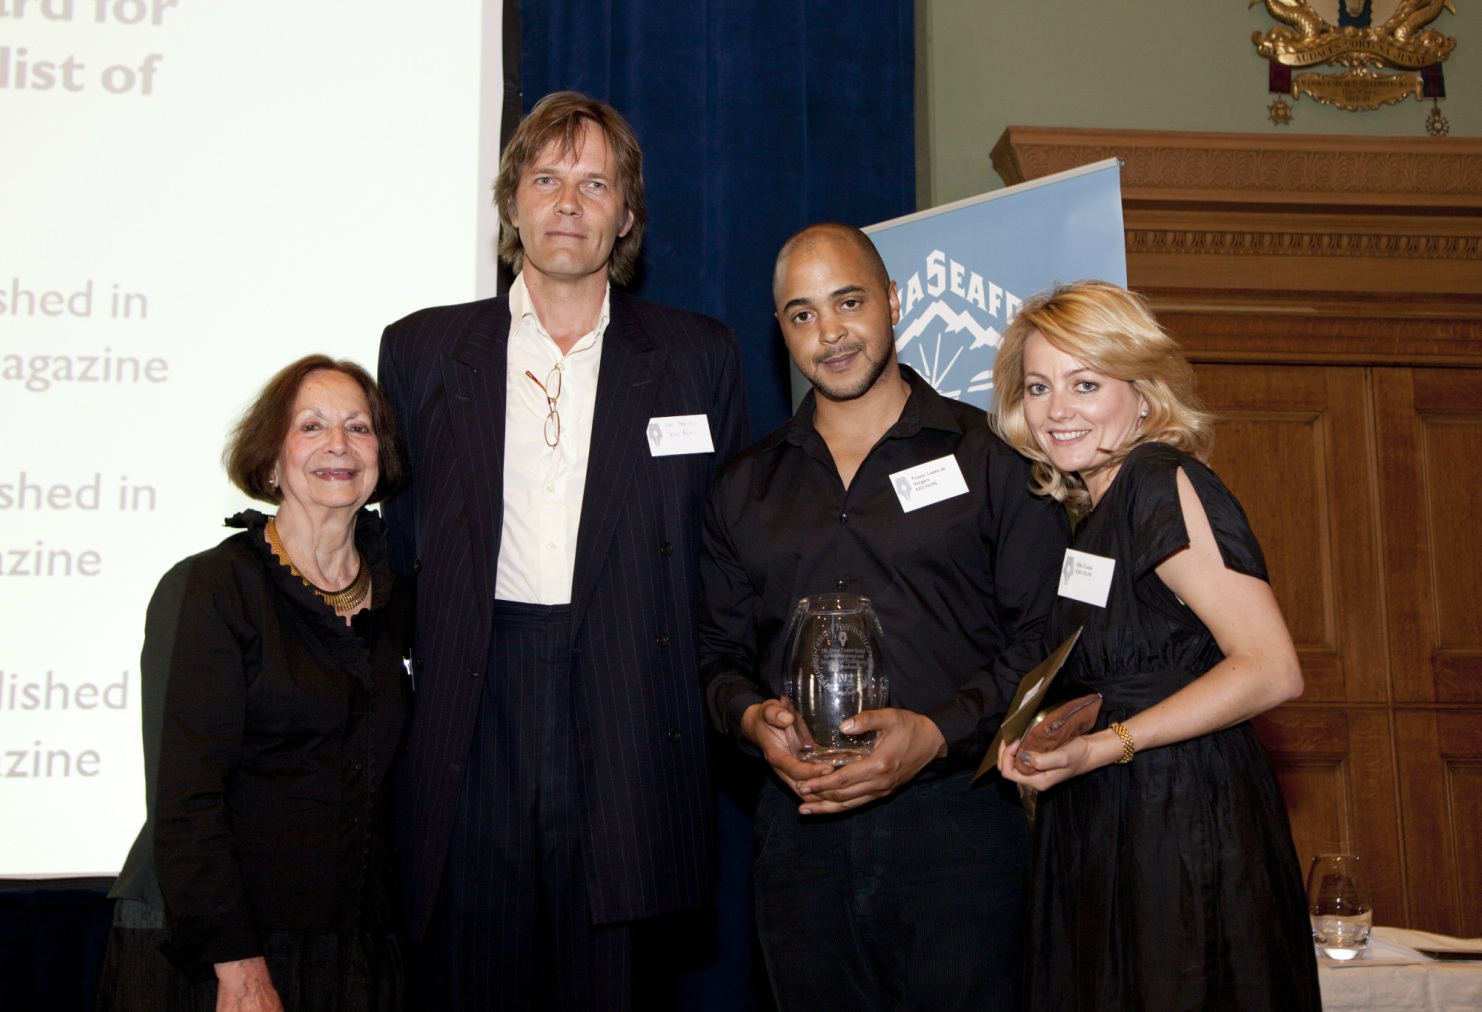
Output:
(825, 232)
(837, 309)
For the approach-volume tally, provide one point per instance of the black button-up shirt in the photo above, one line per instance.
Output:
(961, 586)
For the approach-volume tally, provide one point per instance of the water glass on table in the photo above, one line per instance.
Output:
(1338, 900)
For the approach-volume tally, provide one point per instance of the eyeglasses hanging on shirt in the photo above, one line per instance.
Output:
(552, 390)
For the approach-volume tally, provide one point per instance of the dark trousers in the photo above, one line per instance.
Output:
(512, 927)
(915, 902)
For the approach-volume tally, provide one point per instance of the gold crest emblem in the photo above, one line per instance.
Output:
(1369, 39)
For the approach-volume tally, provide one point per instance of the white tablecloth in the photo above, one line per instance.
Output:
(1391, 976)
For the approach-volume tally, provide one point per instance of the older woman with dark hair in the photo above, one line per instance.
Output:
(1164, 874)
(275, 695)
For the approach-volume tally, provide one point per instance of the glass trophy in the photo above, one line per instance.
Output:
(833, 671)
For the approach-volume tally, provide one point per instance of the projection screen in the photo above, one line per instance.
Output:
(192, 194)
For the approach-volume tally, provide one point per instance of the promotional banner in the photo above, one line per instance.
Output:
(963, 269)
(196, 193)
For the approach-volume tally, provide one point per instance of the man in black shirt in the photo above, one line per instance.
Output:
(891, 876)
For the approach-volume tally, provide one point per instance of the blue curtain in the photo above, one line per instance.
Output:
(757, 117)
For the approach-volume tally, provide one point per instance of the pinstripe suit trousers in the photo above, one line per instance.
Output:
(512, 927)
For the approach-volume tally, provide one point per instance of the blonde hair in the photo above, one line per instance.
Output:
(1112, 331)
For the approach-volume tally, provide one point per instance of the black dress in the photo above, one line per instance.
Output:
(270, 729)
(1171, 882)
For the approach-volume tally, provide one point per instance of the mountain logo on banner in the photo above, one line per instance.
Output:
(950, 326)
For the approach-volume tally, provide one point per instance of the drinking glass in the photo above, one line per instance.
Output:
(1338, 900)
(833, 671)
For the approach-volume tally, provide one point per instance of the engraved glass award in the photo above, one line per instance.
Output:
(833, 671)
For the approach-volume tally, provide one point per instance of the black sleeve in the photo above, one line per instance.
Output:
(728, 612)
(733, 433)
(728, 602)
(193, 644)
(1155, 516)
(400, 511)
(1027, 536)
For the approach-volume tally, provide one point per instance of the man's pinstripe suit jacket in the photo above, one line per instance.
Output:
(639, 722)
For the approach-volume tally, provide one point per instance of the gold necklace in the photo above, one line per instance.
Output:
(340, 600)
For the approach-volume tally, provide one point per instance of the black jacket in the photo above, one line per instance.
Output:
(270, 727)
(638, 722)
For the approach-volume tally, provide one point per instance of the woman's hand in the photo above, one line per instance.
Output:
(1079, 755)
(244, 985)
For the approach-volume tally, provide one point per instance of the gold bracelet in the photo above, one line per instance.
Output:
(1129, 748)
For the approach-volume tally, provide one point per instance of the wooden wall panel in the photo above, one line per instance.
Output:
(1295, 445)
(1430, 469)
(1453, 499)
(1460, 741)
(1338, 778)
(1449, 403)
(1440, 755)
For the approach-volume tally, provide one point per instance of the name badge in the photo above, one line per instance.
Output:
(1086, 577)
(673, 435)
(927, 483)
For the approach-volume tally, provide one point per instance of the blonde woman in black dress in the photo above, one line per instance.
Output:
(1164, 873)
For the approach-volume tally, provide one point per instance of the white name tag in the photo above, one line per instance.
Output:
(1086, 577)
(676, 434)
(927, 483)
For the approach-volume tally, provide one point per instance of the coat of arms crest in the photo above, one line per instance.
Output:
(1384, 47)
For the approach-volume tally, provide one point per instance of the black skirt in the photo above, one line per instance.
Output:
(311, 972)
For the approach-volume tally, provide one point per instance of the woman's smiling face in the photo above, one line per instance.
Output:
(330, 457)
(1079, 416)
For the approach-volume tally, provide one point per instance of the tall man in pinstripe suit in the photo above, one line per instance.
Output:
(554, 794)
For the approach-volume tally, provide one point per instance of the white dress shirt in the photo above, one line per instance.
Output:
(543, 485)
